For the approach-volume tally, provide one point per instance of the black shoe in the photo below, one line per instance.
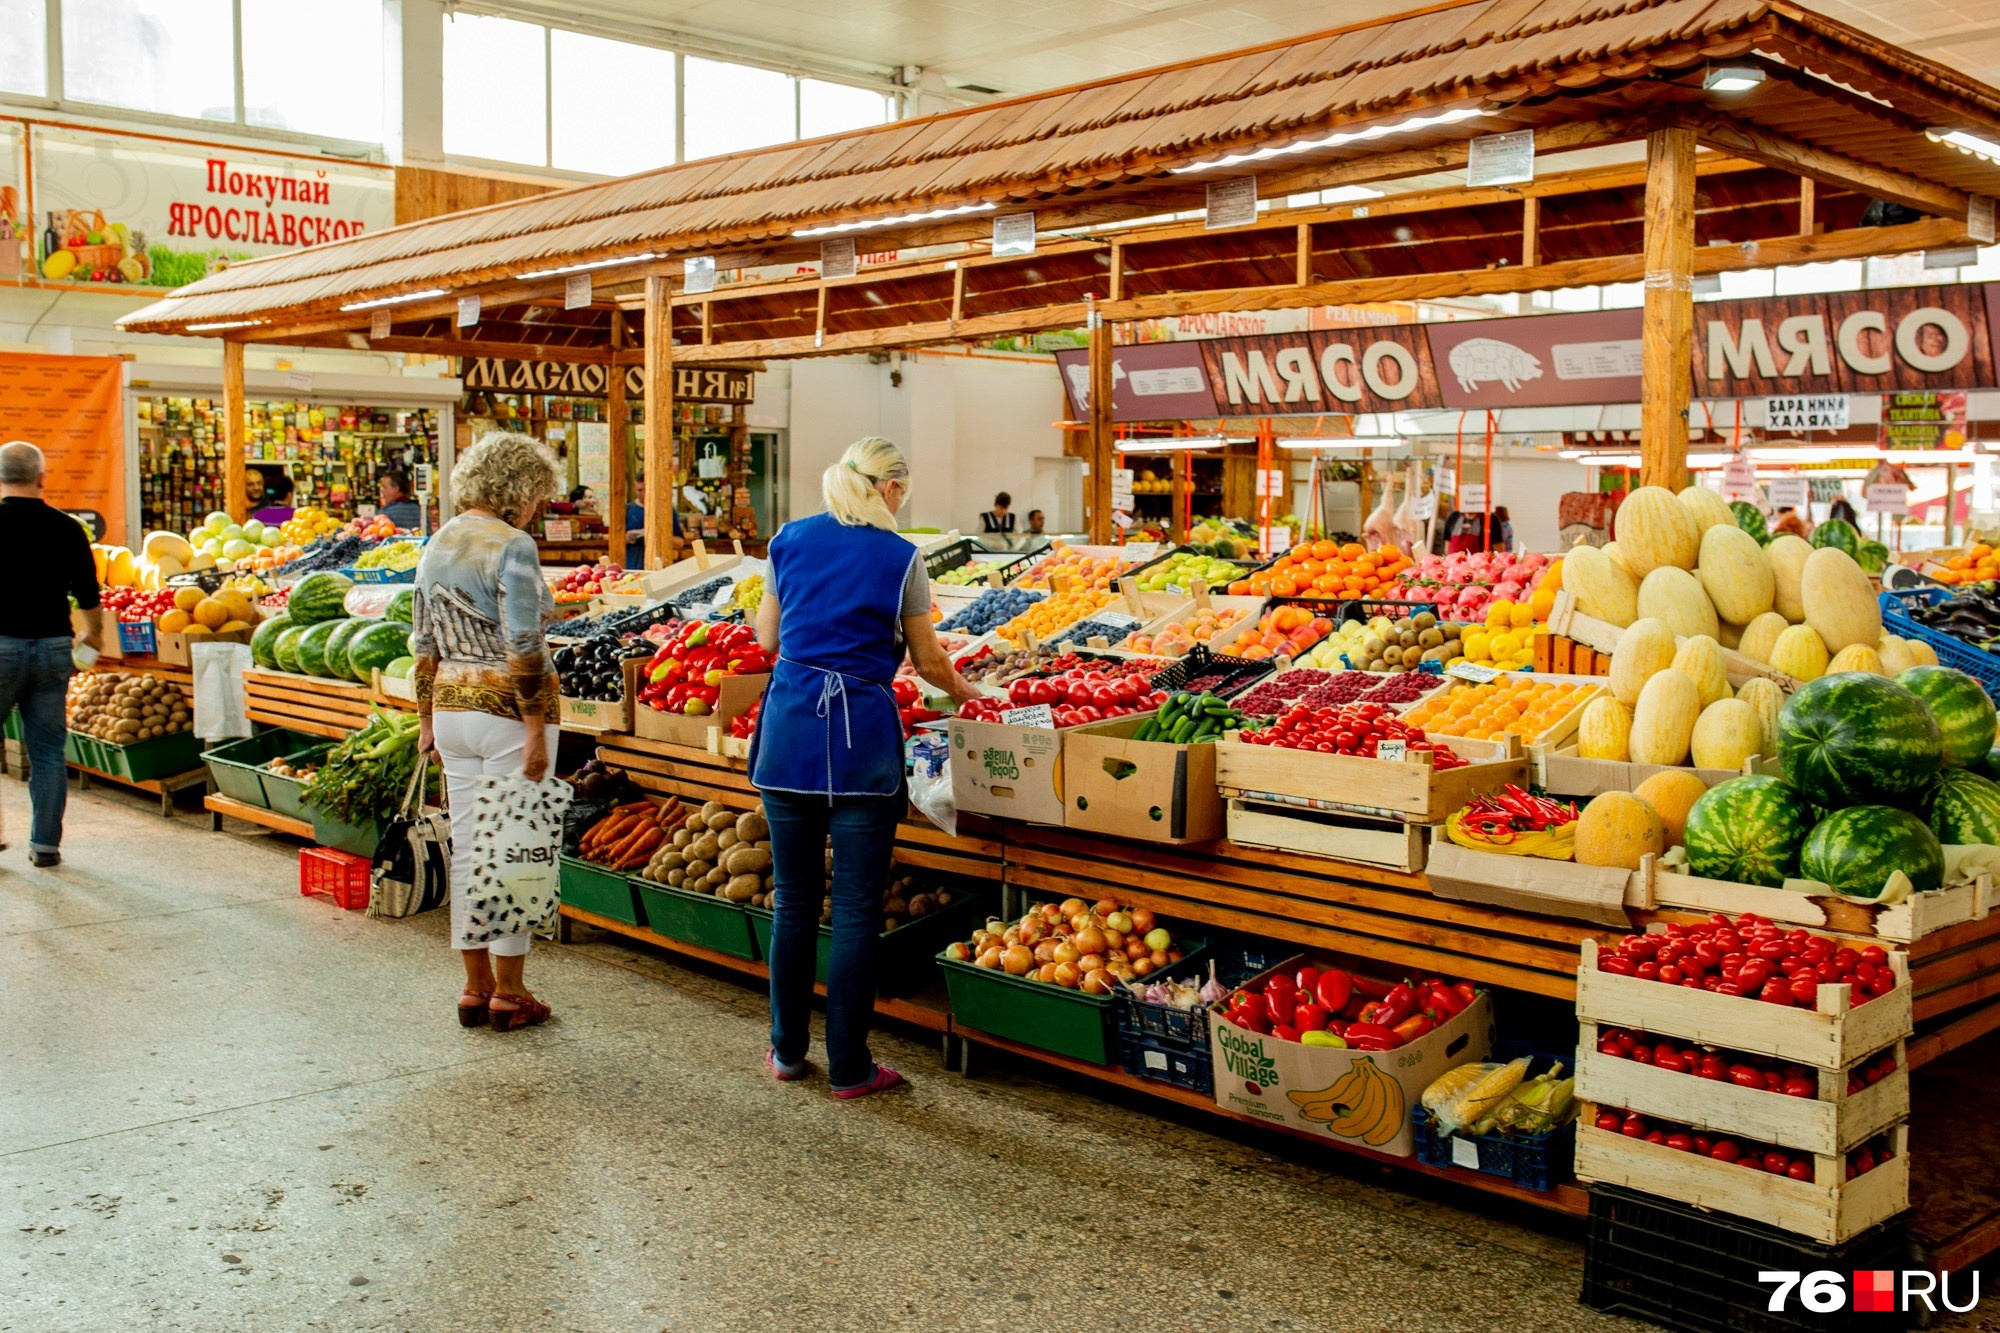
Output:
(44, 860)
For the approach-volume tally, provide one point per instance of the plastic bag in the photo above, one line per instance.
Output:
(515, 885)
(1468, 1103)
(221, 707)
(930, 781)
(371, 600)
(1557, 844)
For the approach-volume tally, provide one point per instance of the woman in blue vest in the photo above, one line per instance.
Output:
(847, 598)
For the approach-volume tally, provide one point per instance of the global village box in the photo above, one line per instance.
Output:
(1363, 1098)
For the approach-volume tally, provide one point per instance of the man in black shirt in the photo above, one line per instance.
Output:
(52, 552)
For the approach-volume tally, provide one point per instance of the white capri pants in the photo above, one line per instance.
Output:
(475, 745)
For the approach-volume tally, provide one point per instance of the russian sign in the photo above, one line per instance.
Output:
(73, 407)
(119, 208)
(1924, 419)
(1827, 411)
(1790, 492)
(580, 379)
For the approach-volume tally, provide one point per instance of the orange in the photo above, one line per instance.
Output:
(1322, 550)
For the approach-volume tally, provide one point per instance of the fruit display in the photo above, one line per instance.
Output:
(318, 597)
(125, 709)
(1091, 947)
(1077, 696)
(1190, 719)
(133, 606)
(393, 557)
(297, 772)
(1085, 630)
(1081, 571)
(1283, 631)
(1331, 1006)
(1977, 564)
(1752, 957)
(585, 582)
(376, 527)
(1047, 618)
(305, 526)
(629, 836)
(990, 610)
(685, 675)
(1312, 688)
(1355, 729)
(1465, 586)
(1736, 1149)
(595, 668)
(1759, 1072)
(192, 611)
(749, 594)
(1177, 637)
(1182, 570)
(974, 572)
(995, 667)
(1326, 569)
(1509, 706)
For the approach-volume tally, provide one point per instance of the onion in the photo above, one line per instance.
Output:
(989, 957)
(1045, 952)
(1105, 906)
(1174, 955)
(1142, 966)
(1113, 939)
(1142, 919)
(1049, 914)
(1119, 921)
(1071, 906)
(1090, 940)
(1090, 962)
(1135, 949)
(1068, 974)
(1159, 939)
(1046, 972)
(1064, 952)
(1097, 981)
(958, 952)
(1017, 959)
(1032, 932)
(1159, 957)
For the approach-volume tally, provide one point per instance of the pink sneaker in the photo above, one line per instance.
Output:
(882, 1080)
(786, 1073)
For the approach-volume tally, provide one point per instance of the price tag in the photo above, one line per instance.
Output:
(1500, 159)
(1122, 519)
(1393, 751)
(1014, 234)
(300, 380)
(1465, 1153)
(698, 274)
(468, 311)
(576, 291)
(1475, 672)
(1790, 492)
(724, 598)
(1034, 715)
(1231, 203)
(1118, 620)
(379, 324)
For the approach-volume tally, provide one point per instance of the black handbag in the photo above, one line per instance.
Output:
(412, 865)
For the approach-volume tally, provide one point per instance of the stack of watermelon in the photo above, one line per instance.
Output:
(1879, 775)
(316, 636)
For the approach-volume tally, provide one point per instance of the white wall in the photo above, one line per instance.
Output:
(1531, 488)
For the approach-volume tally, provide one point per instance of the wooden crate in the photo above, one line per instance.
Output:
(1828, 1208)
(1827, 1125)
(1411, 791)
(1390, 844)
(1912, 919)
(1528, 883)
(1830, 1037)
(1602, 636)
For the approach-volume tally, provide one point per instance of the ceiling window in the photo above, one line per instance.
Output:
(611, 105)
(832, 108)
(731, 108)
(172, 57)
(24, 49)
(337, 92)
(496, 89)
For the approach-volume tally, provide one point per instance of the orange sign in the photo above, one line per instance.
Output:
(72, 407)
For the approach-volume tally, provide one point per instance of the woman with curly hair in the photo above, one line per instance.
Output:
(486, 689)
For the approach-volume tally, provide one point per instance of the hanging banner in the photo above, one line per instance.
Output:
(1321, 370)
(1924, 419)
(17, 228)
(72, 408)
(118, 208)
(1825, 411)
(1149, 382)
(582, 379)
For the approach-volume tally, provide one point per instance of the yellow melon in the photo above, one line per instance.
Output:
(1760, 636)
(1800, 653)
(1726, 735)
(1663, 723)
(211, 612)
(239, 603)
(1856, 657)
(1924, 654)
(1645, 648)
(1656, 530)
(1617, 829)
(1710, 510)
(1700, 660)
(1672, 793)
(1605, 731)
(198, 631)
(1787, 555)
(231, 626)
(1735, 574)
(175, 622)
(1769, 701)
(1602, 588)
(1673, 595)
(1895, 655)
(186, 599)
(1839, 600)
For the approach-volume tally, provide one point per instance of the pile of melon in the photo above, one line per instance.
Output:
(1687, 586)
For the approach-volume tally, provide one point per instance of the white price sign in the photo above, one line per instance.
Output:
(468, 311)
(1472, 498)
(1271, 482)
(1231, 203)
(1473, 672)
(1014, 234)
(1888, 498)
(1500, 159)
(1790, 492)
(1393, 751)
(698, 274)
(576, 291)
(1034, 715)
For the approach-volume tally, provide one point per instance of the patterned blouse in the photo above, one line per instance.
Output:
(482, 609)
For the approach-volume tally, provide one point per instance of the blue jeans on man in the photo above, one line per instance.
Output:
(34, 677)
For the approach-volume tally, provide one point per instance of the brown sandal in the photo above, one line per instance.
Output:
(473, 1015)
(530, 1012)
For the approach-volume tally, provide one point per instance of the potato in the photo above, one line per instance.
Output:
(683, 838)
(741, 888)
(726, 838)
(672, 858)
(676, 878)
(717, 877)
(747, 861)
(719, 821)
(697, 867)
(751, 826)
(921, 904)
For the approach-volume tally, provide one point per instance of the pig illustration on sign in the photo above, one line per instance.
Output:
(1477, 360)
(1079, 381)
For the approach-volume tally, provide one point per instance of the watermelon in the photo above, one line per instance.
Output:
(1989, 765)
(336, 647)
(377, 645)
(1963, 709)
(1859, 739)
(285, 651)
(1748, 830)
(1874, 557)
(1965, 808)
(264, 642)
(1856, 850)
(1751, 519)
(311, 647)
(400, 669)
(1838, 533)
(318, 597)
(403, 607)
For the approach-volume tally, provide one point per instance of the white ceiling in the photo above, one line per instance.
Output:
(1015, 46)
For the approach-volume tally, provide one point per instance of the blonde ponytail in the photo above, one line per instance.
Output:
(848, 487)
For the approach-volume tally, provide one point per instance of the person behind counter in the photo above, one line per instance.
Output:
(277, 506)
(998, 520)
(635, 526)
(1037, 523)
(397, 506)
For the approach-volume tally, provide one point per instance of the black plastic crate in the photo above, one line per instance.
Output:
(1187, 1029)
(1166, 1062)
(1532, 1161)
(947, 558)
(1239, 673)
(1681, 1268)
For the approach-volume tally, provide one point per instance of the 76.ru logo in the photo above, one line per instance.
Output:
(1875, 1289)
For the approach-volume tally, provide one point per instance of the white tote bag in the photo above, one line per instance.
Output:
(515, 884)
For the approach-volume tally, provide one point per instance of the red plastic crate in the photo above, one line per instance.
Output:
(342, 876)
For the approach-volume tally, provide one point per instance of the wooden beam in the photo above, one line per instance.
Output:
(957, 293)
(1808, 205)
(1777, 150)
(234, 436)
(1302, 272)
(618, 415)
(1667, 331)
(466, 347)
(1103, 451)
(1531, 231)
(660, 470)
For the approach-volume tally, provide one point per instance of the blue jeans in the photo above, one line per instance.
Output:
(34, 675)
(864, 839)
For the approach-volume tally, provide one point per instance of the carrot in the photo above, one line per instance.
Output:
(619, 850)
(641, 850)
(609, 830)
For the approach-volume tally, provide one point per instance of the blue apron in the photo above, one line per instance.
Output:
(829, 725)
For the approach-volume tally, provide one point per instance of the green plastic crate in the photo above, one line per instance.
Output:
(287, 796)
(1035, 1013)
(144, 761)
(904, 956)
(237, 765)
(11, 728)
(697, 918)
(359, 840)
(594, 889)
(74, 752)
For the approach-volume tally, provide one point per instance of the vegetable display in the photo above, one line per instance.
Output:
(1736, 1149)
(1759, 1072)
(126, 709)
(1331, 1006)
(1357, 729)
(1751, 957)
(685, 675)
(1091, 947)
(1189, 719)
(366, 775)
(595, 668)
(1749, 830)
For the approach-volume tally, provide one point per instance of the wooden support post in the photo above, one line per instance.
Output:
(1117, 271)
(958, 294)
(1668, 325)
(1304, 269)
(1531, 231)
(1808, 204)
(1103, 454)
(1178, 525)
(234, 442)
(660, 462)
(616, 413)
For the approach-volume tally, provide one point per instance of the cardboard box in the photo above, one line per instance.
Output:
(1411, 790)
(1299, 1086)
(1012, 771)
(1535, 884)
(174, 648)
(596, 715)
(1147, 790)
(738, 693)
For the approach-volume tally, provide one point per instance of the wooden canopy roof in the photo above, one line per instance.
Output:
(1367, 102)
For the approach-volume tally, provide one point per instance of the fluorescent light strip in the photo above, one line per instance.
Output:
(897, 220)
(1335, 140)
(585, 268)
(1971, 143)
(397, 300)
(222, 324)
(1337, 442)
(1177, 446)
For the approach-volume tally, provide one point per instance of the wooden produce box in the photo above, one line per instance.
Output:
(393, 689)
(1828, 1208)
(599, 716)
(1905, 922)
(177, 649)
(1832, 1036)
(1146, 790)
(1602, 637)
(1536, 884)
(661, 584)
(1561, 771)
(1412, 790)
(738, 694)
(1389, 844)
(1016, 772)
